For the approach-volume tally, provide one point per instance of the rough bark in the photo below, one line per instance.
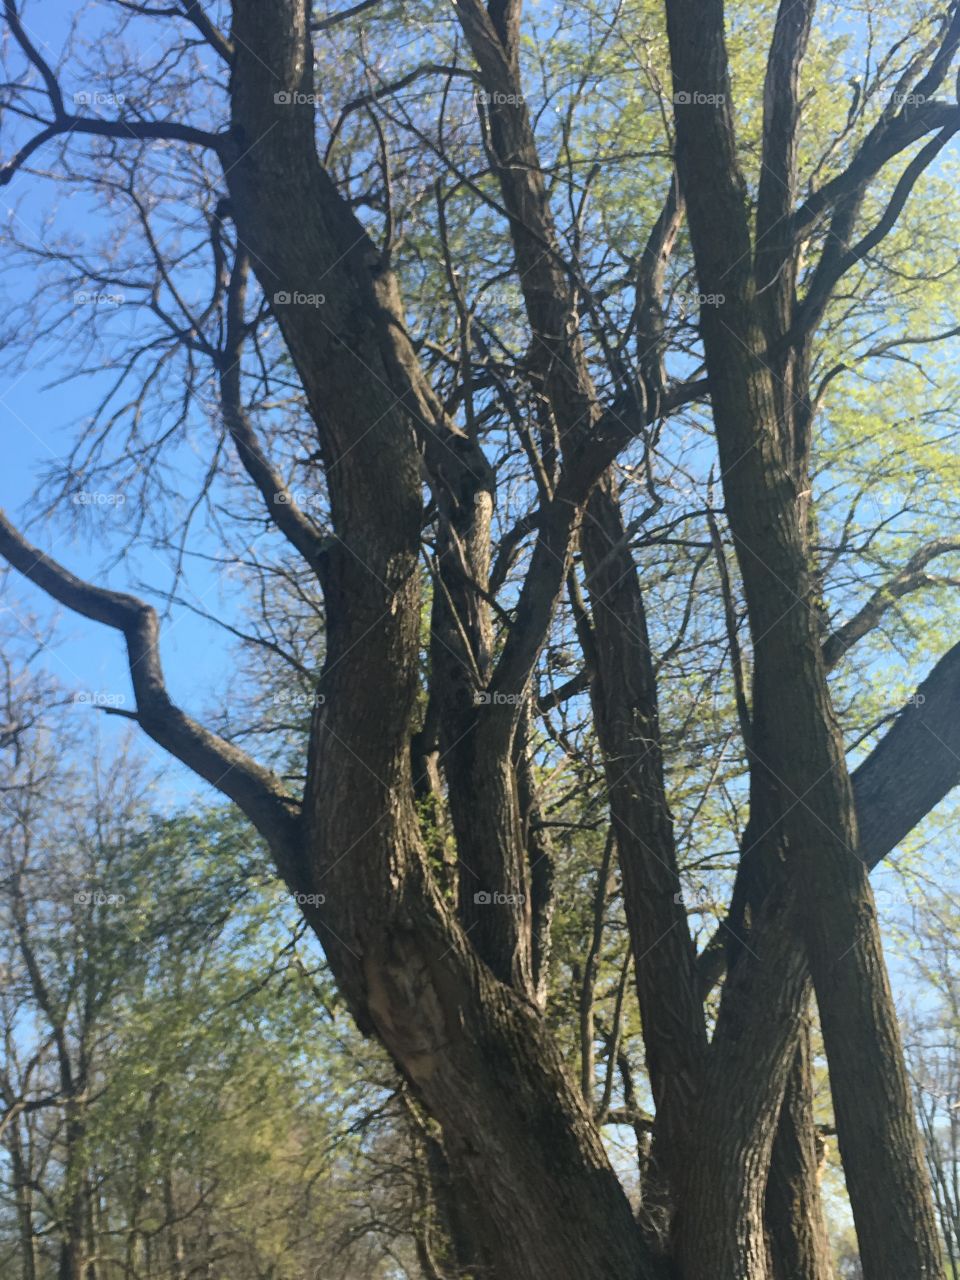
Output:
(802, 820)
(625, 712)
(476, 1053)
(796, 1229)
(623, 693)
(452, 993)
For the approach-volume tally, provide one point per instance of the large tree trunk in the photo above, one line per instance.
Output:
(451, 988)
(720, 1231)
(623, 689)
(625, 712)
(475, 1051)
(802, 835)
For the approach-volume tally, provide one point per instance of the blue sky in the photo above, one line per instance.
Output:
(38, 418)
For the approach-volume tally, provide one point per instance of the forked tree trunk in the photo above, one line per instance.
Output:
(475, 1052)
(451, 989)
(802, 834)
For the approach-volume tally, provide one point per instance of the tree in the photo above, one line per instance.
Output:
(544, 424)
(171, 1103)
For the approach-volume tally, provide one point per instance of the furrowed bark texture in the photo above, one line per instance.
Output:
(802, 828)
(796, 1229)
(623, 694)
(476, 1052)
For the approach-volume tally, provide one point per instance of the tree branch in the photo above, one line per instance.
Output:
(281, 506)
(910, 578)
(914, 765)
(255, 790)
(143, 130)
(910, 770)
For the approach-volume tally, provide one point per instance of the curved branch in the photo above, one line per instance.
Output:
(838, 262)
(881, 145)
(33, 55)
(283, 509)
(257, 791)
(910, 578)
(142, 130)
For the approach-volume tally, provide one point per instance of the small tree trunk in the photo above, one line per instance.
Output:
(625, 711)
(24, 1200)
(720, 1229)
(177, 1255)
(799, 1247)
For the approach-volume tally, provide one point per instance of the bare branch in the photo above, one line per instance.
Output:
(256, 790)
(334, 19)
(281, 505)
(212, 34)
(912, 577)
